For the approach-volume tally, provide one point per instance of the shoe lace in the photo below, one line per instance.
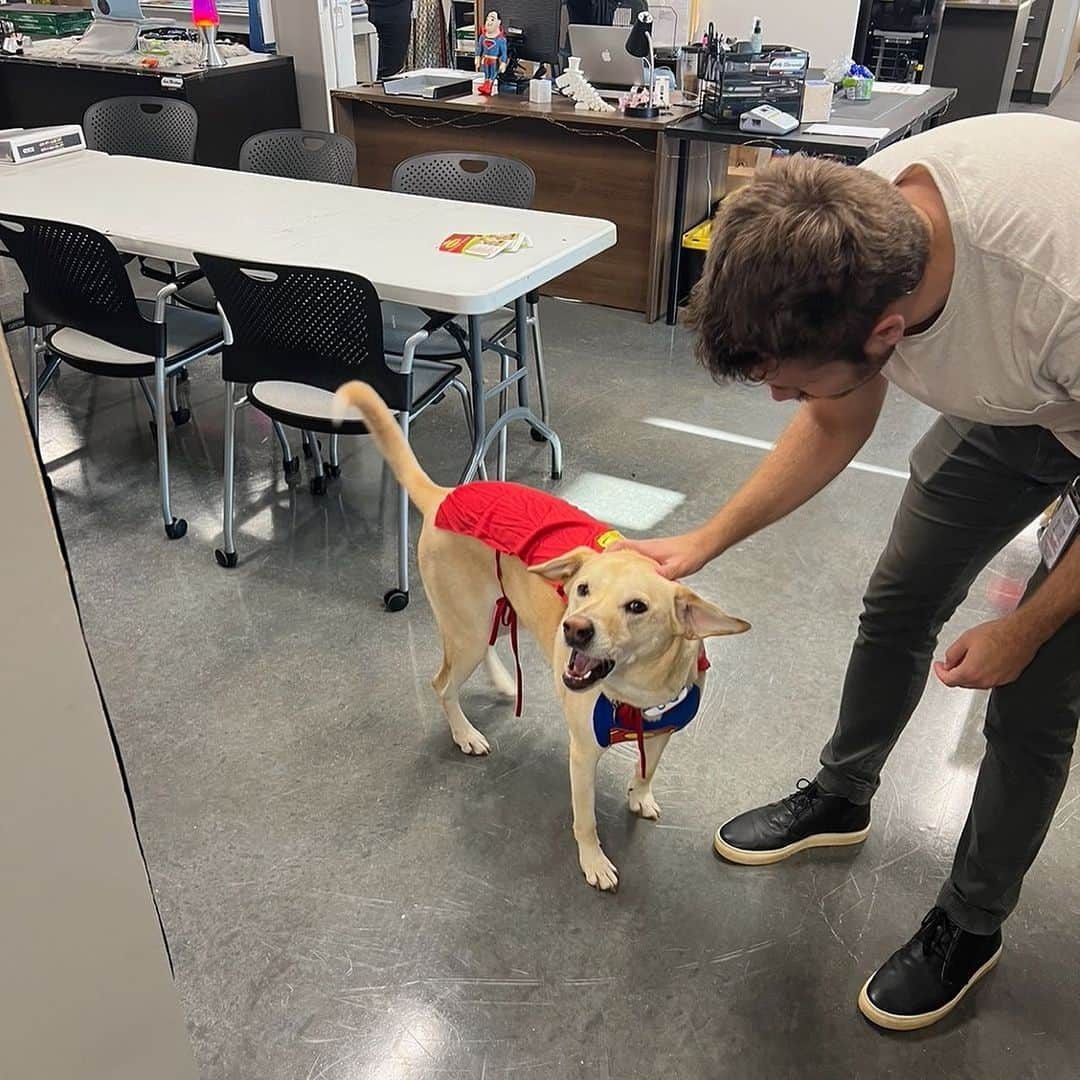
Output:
(939, 935)
(802, 798)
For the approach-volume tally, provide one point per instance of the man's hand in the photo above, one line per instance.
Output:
(992, 654)
(675, 556)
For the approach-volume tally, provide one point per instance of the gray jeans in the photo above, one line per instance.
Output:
(972, 489)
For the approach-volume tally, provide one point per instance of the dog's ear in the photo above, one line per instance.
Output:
(565, 566)
(700, 619)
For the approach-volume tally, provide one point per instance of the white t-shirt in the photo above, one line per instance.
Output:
(1006, 348)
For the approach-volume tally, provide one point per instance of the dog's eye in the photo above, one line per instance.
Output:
(637, 607)
(583, 589)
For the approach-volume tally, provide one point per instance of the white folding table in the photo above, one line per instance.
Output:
(168, 211)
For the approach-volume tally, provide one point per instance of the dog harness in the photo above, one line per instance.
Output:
(536, 527)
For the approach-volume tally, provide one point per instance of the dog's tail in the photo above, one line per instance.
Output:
(392, 444)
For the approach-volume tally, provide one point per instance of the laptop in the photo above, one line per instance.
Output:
(604, 59)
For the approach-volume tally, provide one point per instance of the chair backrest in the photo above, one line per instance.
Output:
(300, 155)
(316, 327)
(76, 278)
(149, 127)
(477, 178)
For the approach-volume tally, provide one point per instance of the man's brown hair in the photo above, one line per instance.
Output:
(802, 263)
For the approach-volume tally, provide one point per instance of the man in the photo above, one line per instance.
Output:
(948, 265)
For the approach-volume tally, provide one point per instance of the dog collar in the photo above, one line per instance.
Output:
(616, 722)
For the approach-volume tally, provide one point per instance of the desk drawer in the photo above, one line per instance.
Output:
(1025, 72)
(1037, 19)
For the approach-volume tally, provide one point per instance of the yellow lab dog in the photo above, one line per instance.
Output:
(625, 643)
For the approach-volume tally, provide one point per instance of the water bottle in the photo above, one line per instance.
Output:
(755, 36)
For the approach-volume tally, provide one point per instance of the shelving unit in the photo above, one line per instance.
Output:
(463, 48)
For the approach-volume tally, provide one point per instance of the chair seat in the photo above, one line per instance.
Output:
(400, 322)
(187, 332)
(311, 408)
(198, 295)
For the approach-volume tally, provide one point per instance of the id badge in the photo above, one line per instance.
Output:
(1059, 533)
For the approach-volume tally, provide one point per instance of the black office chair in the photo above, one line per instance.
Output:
(162, 128)
(474, 178)
(148, 127)
(293, 335)
(300, 155)
(77, 285)
(296, 154)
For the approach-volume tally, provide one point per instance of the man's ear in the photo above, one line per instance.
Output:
(887, 332)
(700, 619)
(565, 566)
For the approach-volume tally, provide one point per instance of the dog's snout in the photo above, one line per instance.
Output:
(578, 632)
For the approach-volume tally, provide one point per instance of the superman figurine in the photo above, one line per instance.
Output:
(491, 52)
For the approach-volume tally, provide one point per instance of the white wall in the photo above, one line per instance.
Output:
(85, 989)
(826, 28)
(1057, 45)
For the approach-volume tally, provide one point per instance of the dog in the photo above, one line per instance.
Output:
(619, 637)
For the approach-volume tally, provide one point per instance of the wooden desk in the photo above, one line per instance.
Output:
(601, 165)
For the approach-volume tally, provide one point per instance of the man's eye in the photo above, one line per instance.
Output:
(637, 607)
(583, 589)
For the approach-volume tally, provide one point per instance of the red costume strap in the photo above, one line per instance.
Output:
(506, 616)
(633, 719)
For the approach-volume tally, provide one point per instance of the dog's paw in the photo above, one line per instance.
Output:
(471, 741)
(643, 804)
(599, 870)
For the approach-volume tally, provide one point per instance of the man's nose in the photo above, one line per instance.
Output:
(577, 632)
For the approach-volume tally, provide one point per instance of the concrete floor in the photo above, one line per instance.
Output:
(347, 896)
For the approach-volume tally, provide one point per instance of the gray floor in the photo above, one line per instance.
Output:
(348, 897)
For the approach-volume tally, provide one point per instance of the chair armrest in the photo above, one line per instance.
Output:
(412, 343)
(161, 296)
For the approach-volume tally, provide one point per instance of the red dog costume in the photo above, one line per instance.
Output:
(536, 527)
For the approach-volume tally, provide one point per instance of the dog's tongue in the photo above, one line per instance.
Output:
(580, 665)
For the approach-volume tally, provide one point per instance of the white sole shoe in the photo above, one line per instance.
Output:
(893, 1022)
(764, 858)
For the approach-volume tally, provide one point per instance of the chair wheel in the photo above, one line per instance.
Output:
(176, 528)
(227, 560)
(307, 448)
(396, 600)
(183, 375)
(181, 416)
(318, 485)
(556, 475)
(291, 467)
(333, 470)
(537, 436)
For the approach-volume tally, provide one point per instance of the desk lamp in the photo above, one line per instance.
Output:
(640, 44)
(204, 15)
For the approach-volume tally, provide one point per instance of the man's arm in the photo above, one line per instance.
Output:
(996, 652)
(814, 449)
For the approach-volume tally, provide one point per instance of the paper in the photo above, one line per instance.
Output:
(901, 88)
(852, 131)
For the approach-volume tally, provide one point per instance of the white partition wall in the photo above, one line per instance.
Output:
(826, 28)
(85, 986)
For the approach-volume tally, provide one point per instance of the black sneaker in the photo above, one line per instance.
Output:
(927, 978)
(807, 818)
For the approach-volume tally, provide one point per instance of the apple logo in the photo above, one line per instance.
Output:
(606, 56)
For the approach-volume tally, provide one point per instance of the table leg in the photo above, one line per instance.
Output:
(681, 173)
(484, 436)
(479, 406)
